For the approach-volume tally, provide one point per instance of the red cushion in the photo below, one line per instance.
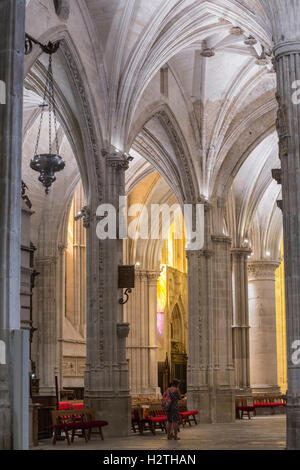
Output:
(77, 406)
(157, 419)
(189, 413)
(64, 405)
(245, 408)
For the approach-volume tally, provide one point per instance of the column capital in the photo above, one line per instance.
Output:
(151, 275)
(240, 251)
(262, 270)
(62, 247)
(286, 48)
(221, 239)
(191, 254)
(116, 159)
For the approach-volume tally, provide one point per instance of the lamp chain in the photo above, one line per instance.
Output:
(48, 96)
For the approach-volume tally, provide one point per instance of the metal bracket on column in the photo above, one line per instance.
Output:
(49, 48)
(126, 293)
(126, 277)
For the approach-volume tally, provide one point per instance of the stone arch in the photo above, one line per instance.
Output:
(178, 169)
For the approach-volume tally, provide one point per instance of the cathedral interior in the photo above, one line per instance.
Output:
(174, 102)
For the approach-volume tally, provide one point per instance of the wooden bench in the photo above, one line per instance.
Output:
(270, 401)
(242, 406)
(185, 414)
(73, 420)
(155, 419)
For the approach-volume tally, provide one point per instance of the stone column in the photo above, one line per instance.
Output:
(46, 321)
(284, 17)
(141, 313)
(12, 24)
(200, 362)
(60, 310)
(210, 366)
(222, 329)
(240, 324)
(262, 314)
(107, 377)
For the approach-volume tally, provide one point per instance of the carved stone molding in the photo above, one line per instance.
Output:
(151, 275)
(190, 254)
(236, 31)
(78, 81)
(279, 203)
(85, 214)
(62, 9)
(123, 330)
(282, 128)
(221, 239)
(262, 270)
(116, 159)
(241, 252)
(276, 175)
(62, 247)
(208, 52)
(163, 116)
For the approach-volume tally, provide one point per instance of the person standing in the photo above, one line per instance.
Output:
(173, 419)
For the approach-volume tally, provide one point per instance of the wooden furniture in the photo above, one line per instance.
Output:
(72, 420)
(135, 420)
(71, 405)
(186, 414)
(242, 406)
(66, 395)
(269, 402)
(156, 419)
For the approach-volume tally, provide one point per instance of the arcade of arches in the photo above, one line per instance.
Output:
(164, 102)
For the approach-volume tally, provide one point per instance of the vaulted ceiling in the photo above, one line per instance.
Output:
(186, 86)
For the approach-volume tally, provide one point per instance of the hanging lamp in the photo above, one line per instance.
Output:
(47, 164)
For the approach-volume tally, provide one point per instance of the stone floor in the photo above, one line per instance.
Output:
(260, 433)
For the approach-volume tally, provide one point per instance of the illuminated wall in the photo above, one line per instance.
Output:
(74, 321)
(172, 286)
(281, 327)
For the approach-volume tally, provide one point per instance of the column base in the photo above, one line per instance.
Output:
(265, 390)
(243, 392)
(213, 407)
(115, 410)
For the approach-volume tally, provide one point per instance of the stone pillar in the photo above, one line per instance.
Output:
(46, 321)
(284, 17)
(210, 366)
(60, 310)
(141, 313)
(12, 24)
(240, 324)
(262, 314)
(222, 329)
(107, 377)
